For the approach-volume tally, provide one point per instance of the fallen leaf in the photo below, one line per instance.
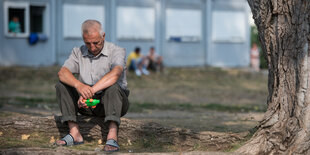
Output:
(99, 141)
(1, 133)
(52, 139)
(129, 142)
(25, 137)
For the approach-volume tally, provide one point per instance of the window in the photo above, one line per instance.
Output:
(37, 19)
(135, 23)
(76, 14)
(183, 25)
(22, 18)
(16, 18)
(228, 26)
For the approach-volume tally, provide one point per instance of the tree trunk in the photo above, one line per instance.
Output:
(283, 27)
(131, 131)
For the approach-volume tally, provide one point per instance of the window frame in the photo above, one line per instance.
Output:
(26, 6)
(46, 20)
(17, 5)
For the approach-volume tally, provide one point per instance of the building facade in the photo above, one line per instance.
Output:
(184, 32)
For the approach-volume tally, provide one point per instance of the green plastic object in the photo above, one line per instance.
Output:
(92, 102)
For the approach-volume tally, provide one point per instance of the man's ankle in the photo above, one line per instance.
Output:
(74, 130)
(113, 129)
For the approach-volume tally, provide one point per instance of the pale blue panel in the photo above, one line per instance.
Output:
(230, 55)
(183, 24)
(228, 26)
(75, 14)
(184, 54)
(135, 23)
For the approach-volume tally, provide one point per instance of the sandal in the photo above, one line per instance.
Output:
(69, 141)
(113, 143)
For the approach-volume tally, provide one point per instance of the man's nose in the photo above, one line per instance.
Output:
(92, 47)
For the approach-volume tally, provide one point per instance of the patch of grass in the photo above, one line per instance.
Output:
(38, 140)
(237, 145)
(149, 143)
(35, 100)
(196, 85)
(235, 108)
(199, 86)
(6, 114)
(139, 107)
(35, 140)
(29, 73)
(25, 101)
(87, 146)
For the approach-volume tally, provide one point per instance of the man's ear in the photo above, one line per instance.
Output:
(103, 35)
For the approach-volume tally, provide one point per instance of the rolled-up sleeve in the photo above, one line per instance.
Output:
(118, 58)
(72, 63)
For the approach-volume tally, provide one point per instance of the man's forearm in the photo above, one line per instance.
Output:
(109, 79)
(67, 77)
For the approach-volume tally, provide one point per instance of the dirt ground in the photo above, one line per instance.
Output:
(199, 99)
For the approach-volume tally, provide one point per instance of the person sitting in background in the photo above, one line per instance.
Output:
(255, 57)
(136, 62)
(14, 25)
(154, 61)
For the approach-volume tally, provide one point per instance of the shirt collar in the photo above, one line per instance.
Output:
(104, 50)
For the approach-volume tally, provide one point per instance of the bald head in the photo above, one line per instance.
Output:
(91, 26)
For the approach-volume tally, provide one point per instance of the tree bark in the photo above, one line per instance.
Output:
(283, 27)
(130, 131)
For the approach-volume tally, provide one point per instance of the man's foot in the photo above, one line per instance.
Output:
(69, 140)
(111, 146)
(73, 138)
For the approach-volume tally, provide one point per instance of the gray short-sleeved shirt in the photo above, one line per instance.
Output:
(92, 68)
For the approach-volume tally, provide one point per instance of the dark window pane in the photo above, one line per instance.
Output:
(16, 20)
(36, 18)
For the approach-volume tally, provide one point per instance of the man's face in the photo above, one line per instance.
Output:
(94, 42)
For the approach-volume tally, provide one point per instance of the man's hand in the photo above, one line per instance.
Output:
(85, 91)
(81, 103)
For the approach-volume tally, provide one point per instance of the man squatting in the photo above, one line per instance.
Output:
(101, 70)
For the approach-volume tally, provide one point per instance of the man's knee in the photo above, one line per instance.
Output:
(113, 89)
(59, 86)
(63, 88)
